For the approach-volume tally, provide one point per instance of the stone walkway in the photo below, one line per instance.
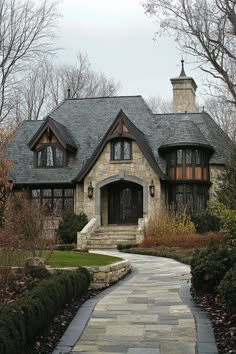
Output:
(143, 314)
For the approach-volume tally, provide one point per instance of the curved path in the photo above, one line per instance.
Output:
(142, 314)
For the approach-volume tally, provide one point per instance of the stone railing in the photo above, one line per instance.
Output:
(84, 235)
(140, 230)
(104, 276)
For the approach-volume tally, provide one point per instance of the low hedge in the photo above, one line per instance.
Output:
(22, 321)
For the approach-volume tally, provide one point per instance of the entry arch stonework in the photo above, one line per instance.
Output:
(121, 176)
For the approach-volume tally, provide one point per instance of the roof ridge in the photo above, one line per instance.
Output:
(99, 97)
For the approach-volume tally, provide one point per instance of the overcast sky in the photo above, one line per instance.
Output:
(118, 39)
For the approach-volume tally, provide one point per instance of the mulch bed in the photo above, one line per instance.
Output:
(47, 342)
(224, 323)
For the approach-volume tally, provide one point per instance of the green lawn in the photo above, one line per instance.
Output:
(76, 259)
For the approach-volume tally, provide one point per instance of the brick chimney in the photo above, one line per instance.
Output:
(184, 89)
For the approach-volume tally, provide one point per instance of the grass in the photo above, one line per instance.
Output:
(61, 259)
(179, 254)
(77, 259)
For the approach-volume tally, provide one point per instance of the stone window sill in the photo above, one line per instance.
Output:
(121, 161)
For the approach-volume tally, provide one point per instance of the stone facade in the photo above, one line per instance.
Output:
(105, 171)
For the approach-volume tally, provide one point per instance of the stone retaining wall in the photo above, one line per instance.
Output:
(104, 276)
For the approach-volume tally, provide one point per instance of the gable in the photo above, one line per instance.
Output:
(52, 132)
(122, 127)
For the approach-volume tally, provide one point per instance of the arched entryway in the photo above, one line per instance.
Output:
(121, 199)
(125, 202)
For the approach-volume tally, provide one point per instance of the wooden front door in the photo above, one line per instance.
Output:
(125, 203)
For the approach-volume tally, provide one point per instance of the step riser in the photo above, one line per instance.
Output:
(108, 237)
(109, 242)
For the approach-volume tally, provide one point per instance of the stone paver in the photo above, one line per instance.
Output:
(142, 314)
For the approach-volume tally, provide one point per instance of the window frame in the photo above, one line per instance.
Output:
(196, 190)
(55, 147)
(122, 141)
(42, 196)
(173, 164)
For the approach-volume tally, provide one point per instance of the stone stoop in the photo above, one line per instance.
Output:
(108, 237)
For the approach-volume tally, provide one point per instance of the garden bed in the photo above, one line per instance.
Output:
(179, 254)
(223, 322)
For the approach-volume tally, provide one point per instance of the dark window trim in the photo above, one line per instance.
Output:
(122, 141)
(195, 194)
(42, 147)
(52, 197)
(204, 163)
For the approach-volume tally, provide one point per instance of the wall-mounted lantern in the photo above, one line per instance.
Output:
(90, 190)
(152, 189)
(10, 183)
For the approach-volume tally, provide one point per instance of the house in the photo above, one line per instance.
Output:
(119, 163)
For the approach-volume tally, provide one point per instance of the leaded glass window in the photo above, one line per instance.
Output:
(179, 157)
(189, 158)
(121, 149)
(54, 201)
(50, 156)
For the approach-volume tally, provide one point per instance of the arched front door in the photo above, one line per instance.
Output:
(125, 203)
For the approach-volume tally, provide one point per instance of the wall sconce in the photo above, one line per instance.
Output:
(90, 190)
(152, 189)
(10, 184)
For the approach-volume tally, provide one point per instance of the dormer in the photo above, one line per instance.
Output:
(52, 144)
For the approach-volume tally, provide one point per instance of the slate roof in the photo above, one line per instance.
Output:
(87, 121)
(59, 130)
(186, 133)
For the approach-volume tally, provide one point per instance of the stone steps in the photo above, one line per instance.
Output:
(108, 237)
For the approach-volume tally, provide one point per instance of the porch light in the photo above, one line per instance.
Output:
(90, 190)
(152, 189)
(10, 184)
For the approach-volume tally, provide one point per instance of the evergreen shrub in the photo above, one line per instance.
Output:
(208, 267)
(69, 225)
(23, 320)
(206, 222)
(227, 290)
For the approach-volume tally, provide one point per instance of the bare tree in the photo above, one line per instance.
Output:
(224, 114)
(46, 84)
(159, 105)
(27, 30)
(206, 29)
(35, 100)
(81, 79)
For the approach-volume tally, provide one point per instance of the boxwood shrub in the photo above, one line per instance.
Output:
(227, 290)
(208, 267)
(22, 321)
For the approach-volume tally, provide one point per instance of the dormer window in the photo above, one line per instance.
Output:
(50, 156)
(121, 149)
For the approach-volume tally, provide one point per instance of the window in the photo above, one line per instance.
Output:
(121, 150)
(50, 156)
(54, 200)
(188, 164)
(179, 157)
(190, 197)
